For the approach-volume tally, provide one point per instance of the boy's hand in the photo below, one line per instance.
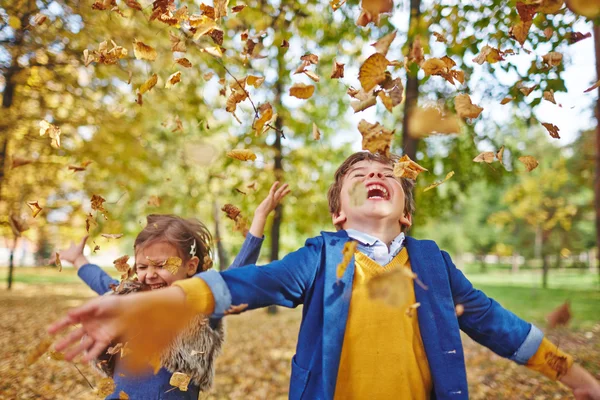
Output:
(74, 254)
(266, 207)
(583, 384)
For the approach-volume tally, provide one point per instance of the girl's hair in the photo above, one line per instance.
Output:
(186, 235)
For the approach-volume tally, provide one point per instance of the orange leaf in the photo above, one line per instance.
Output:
(382, 45)
(438, 183)
(143, 52)
(184, 62)
(372, 72)
(302, 91)
(338, 70)
(464, 107)
(552, 130)
(242, 154)
(173, 79)
(376, 138)
(35, 207)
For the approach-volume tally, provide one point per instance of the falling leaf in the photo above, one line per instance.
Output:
(172, 264)
(362, 105)
(594, 86)
(444, 68)
(35, 353)
(500, 154)
(76, 168)
(177, 44)
(411, 308)
(587, 8)
(376, 138)
(133, 4)
(35, 208)
(371, 9)
(57, 261)
(154, 201)
(208, 76)
(552, 59)
(489, 54)
(52, 131)
(232, 310)
(548, 32)
(121, 264)
(561, 315)
(358, 194)
(213, 51)
(255, 81)
(123, 395)
(112, 235)
(338, 70)
(231, 211)
(549, 96)
(105, 387)
(17, 225)
(438, 183)
(575, 37)
(97, 203)
(312, 75)
(143, 52)
(407, 168)
(184, 62)
(242, 154)
(372, 72)
(336, 4)
(393, 287)
(524, 89)
(173, 79)
(316, 133)
(39, 19)
(302, 91)
(552, 130)
(439, 37)
(520, 31)
(238, 8)
(486, 156)
(506, 100)
(382, 45)
(266, 114)
(89, 221)
(347, 254)
(149, 84)
(465, 108)
(426, 121)
(530, 162)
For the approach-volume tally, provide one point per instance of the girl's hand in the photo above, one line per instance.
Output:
(266, 207)
(74, 254)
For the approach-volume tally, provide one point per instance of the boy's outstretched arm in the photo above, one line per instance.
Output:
(251, 248)
(583, 384)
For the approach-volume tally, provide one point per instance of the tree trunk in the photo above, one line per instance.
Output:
(409, 144)
(11, 264)
(597, 176)
(221, 252)
(545, 269)
(515, 263)
(7, 100)
(483, 264)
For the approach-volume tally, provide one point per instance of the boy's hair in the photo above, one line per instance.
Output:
(181, 233)
(335, 190)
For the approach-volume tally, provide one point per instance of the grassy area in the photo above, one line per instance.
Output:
(557, 279)
(45, 275)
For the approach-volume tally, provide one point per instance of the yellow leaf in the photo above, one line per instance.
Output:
(382, 45)
(35, 208)
(14, 22)
(38, 350)
(149, 84)
(255, 81)
(172, 264)
(551, 6)
(121, 264)
(57, 262)
(154, 201)
(486, 156)
(105, 387)
(143, 52)
(302, 91)
(520, 31)
(347, 253)
(213, 51)
(173, 79)
(372, 72)
(242, 154)
(220, 8)
(426, 121)
(52, 131)
(335, 4)
(438, 183)
(464, 107)
(370, 10)
(376, 138)
(489, 54)
(587, 8)
(530, 162)
(123, 395)
(266, 114)
(407, 168)
(312, 75)
(202, 25)
(500, 154)
(434, 66)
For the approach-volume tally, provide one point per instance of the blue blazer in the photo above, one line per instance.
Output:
(308, 276)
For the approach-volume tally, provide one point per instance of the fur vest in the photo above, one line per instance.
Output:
(192, 352)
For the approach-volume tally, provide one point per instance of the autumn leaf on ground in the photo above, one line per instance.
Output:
(486, 157)
(594, 86)
(232, 310)
(347, 254)
(172, 264)
(338, 70)
(488, 54)
(121, 264)
(587, 8)
(552, 59)
(392, 287)
(149, 84)
(112, 235)
(358, 194)
(438, 183)
(36, 352)
(382, 45)
(143, 52)
(52, 131)
(371, 9)
(465, 108)
(407, 168)
(105, 387)
(375, 138)
(316, 133)
(35, 208)
(426, 121)
(242, 154)
(302, 91)
(83, 166)
(57, 261)
(266, 114)
(530, 162)
(372, 72)
(561, 315)
(552, 130)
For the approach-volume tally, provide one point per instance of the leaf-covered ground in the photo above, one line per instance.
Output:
(255, 361)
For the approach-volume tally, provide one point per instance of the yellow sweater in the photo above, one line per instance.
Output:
(383, 355)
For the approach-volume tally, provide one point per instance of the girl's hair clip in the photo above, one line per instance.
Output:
(193, 249)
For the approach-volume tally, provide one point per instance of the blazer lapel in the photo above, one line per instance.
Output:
(336, 299)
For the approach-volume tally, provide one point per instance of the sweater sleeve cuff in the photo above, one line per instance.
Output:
(529, 346)
(220, 291)
(197, 295)
(550, 360)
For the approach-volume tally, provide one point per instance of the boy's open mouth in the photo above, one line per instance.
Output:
(377, 192)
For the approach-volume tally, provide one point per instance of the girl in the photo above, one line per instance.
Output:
(193, 351)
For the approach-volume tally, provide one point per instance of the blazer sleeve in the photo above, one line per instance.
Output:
(249, 252)
(488, 323)
(96, 278)
(283, 282)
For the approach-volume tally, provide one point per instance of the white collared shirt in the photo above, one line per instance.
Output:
(374, 248)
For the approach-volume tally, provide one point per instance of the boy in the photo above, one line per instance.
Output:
(350, 346)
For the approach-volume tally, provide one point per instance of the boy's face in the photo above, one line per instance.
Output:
(149, 260)
(385, 197)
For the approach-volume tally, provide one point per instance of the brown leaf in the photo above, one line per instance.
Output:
(524, 89)
(489, 54)
(407, 168)
(76, 168)
(438, 183)
(530, 162)
(527, 11)
(444, 68)
(143, 52)
(549, 96)
(575, 37)
(552, 130)
(89, 221)
(439, 37)
(177, 43)
(173, 79)
(17, 225)
(312, 75)
(266, 114)
(202, 25)
(465, 108)
(500, 154)
(338, 70)
(232, 211)
(39, 19)
(97, 203)
(561, 315)
(316, 133)
(242, 154)
(376, 138)
(184, 62)
(594, 86)
(57, 261)
(149, 84)
(35, 207)
(347, 253)
(506, 100)
(133, 4)
(302, 91)
(19, 162)
(310, 58)
(371, 9)
(52, 131)
(486, 156)
(552, 59)
(112, 235)
(121, 264)
(382, 45)
(207, 263)
(372, 72)
(238, 8)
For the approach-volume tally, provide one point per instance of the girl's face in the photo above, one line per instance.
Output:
(149, 260)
